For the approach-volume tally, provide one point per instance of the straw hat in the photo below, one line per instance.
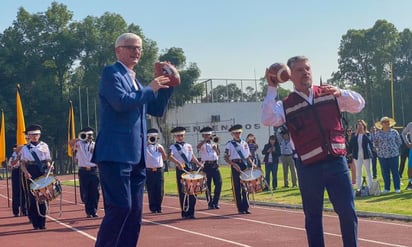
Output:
(378, 124)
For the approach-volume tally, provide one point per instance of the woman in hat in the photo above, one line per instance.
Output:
(35, 158)
(387, 142)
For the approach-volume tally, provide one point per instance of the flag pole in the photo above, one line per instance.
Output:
(71, 136)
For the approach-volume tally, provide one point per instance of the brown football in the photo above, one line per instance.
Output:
(278, 73)
(169, 70)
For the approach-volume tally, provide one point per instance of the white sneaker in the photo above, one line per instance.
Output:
(397, 191)
(385, 191)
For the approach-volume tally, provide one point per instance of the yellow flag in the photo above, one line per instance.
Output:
(20, 125)
(71, 134)
(2, 139)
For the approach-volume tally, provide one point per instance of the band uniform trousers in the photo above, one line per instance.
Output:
(18, 196)
(122, 186)
(332, 174)
(240, 193)
(155, 188)
(211, 168)
(36, 219)
(191, 199)
(89, 188)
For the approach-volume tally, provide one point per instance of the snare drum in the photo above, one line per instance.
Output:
(193, 183)
(45, 188)
(253, 181)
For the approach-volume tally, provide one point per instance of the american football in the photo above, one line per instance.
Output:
(169, 70)
(278, 73)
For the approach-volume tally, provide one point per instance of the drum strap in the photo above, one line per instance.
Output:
(179, 149)
(242, 157)
(36, 158)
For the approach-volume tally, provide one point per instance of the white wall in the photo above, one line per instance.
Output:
(196, 116)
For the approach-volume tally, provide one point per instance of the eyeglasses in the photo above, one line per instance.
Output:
(132, 47)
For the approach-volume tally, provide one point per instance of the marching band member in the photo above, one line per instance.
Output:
(155, 155)
(181, 154)
(237, 154)
(209, 153)
(18, 195)
(88, 176)
(35, 161)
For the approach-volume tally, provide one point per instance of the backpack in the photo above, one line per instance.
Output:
(364, 191)
(375, 189)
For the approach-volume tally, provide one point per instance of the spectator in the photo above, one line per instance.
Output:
(253, 147)
(361, 149)
(387, 142)
(288, 163)
(407, 137)
(349, 157)
(271, 152)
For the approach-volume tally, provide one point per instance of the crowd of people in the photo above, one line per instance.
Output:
(316, 152)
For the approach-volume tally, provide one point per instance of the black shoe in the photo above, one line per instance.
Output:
(42, 227)
(159, 211)
(247, 212)
(16, 215)
(35, 228)
(95, 215)
(216, 206)
(89, 216)
(286, 186)
(210, 207)
(153, 211)
(409, 187)
(241, 212)
(358, 193)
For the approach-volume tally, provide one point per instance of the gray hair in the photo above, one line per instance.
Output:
(121, 40)
(291, 62)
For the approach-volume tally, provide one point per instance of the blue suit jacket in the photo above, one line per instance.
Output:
(122, 127)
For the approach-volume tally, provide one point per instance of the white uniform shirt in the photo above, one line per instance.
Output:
(186, 149)
(42, 151)
(207, 153)
(232, 151)
(84, 153)
(154, 157)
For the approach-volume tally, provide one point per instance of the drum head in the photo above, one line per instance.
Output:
(192, 176)
(41, 182)
(250, 174)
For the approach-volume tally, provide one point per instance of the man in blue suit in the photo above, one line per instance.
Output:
(119, 151)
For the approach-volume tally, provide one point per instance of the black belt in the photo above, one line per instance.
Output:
(35, 163)
(237, 160)
(210, 162)
(154, 169)
(287, 154)
(87, 168)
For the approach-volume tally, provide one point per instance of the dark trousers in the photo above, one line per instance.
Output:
(155, 188)
(18, 197)
(272, 168)
(36, 219)
(374, 158)
(333, 175)
(122, 186)
(213, 174)
(240, 194)
(89, 189)
(190, 201)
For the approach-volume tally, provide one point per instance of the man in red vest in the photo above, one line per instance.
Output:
(313, 116)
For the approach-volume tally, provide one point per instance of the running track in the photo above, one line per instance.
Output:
(266, 226)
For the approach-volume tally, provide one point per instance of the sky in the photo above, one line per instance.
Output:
(238, 39)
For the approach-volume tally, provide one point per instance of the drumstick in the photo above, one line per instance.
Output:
(244, 173)
(34, 182)
(50, 168)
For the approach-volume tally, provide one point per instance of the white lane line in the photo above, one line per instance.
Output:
(72, 228)
(196, 233)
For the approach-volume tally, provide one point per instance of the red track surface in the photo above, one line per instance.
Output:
(266, 226)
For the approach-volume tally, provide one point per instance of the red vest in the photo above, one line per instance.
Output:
(316, 129)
